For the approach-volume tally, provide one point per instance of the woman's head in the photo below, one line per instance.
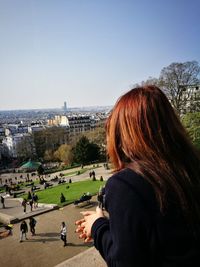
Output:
(142, 126)
(143, 131)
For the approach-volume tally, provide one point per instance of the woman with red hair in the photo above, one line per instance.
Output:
(153, 198)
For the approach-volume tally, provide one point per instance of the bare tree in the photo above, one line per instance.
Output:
(149, 81)
(177, 79)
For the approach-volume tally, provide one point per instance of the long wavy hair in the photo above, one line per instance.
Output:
(144, 133)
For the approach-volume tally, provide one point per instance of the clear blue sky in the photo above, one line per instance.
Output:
(89, 52)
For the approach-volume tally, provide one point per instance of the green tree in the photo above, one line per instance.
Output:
(98, 136)
(94, 152)
(192, 123)
(40, 170)
(85, 151)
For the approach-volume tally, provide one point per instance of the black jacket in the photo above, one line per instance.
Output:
(24, 227)
(136, 233)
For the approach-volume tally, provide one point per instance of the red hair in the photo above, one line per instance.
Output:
(144, 132)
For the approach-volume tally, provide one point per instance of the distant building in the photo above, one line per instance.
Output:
(19, 144)
(1, 150)
(12, 129)
(36, 128)
(74, 123)
(65, 106)
(59, 120)
(79, 124)
(191, 98)
(2, 133)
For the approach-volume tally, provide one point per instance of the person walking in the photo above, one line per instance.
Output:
(63, 233)
(35, 200)
(3, 202)
(32, 224)
(31, 204)
(153, 198)
(23, 230)
(24, 203)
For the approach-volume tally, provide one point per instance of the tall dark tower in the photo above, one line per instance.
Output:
(65, 106)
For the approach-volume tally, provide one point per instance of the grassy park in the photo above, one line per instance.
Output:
(71, 192)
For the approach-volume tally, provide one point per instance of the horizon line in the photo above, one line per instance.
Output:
(60, 109)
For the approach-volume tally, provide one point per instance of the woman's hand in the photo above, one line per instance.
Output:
(85, 224)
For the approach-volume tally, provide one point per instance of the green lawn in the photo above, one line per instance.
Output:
(75, 190)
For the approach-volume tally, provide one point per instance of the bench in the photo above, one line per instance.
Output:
(83, 199)
(17, 193)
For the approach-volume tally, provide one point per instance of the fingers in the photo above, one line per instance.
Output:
(79, 222)
(83, 236)
(88, 212)
(85, 223)
(79, 230)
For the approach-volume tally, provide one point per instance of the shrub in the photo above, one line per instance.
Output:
(62, 198)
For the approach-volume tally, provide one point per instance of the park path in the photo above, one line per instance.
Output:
(45, 249)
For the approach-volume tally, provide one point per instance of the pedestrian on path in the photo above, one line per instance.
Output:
(23, 231)
(32, 224)
(35, 200)
(31, 204)
(24, 203)
(63, 234)
(3, 202)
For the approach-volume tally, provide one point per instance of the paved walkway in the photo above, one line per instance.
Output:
(14, 211)
(46, 249)
(89, 257)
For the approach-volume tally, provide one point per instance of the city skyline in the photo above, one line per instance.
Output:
(88, 53)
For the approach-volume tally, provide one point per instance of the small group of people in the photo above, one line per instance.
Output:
(33, 202)
(24, 228)
(92, 174)
(32, 224)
